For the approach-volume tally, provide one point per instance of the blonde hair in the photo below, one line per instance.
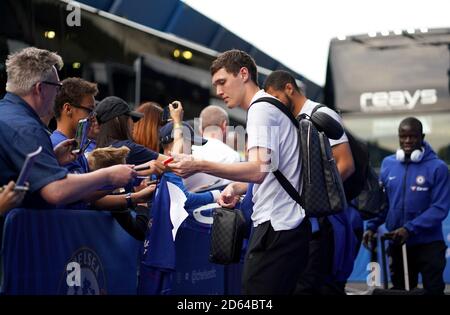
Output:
(27, 67)
(213, 115)
(105, 157)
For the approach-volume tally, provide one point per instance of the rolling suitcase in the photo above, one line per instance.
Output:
(386, 290)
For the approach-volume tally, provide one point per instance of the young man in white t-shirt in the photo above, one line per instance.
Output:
(278, 248)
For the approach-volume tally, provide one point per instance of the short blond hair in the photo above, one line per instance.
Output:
(28, 66)
(213, 115)
(105, 157)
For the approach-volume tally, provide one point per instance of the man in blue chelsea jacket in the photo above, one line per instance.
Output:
(418, 189)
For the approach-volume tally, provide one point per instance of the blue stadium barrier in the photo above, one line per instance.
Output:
(40, 248)
(43, 250)
(194, 273)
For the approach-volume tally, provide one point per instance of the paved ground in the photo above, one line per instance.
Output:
(361, 288)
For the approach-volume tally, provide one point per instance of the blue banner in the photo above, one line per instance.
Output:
(158, 258)
(182, 266)
(194, 274)
(74, 252)
(87, 252)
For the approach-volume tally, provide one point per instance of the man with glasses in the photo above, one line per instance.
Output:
(75, 101)
(58, 85)
(32, 85)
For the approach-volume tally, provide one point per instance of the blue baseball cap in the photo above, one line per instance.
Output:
(166, 134)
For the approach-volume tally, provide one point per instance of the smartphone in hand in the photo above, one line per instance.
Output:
(21, 188)
(141, 168)
(26, 169)
(153, 182)
(166, 112)
(81, 136)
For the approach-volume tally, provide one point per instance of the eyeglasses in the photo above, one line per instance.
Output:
(90, 111)
(57, 84)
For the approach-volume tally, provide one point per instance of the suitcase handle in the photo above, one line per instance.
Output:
(383, 262)
(384, 238)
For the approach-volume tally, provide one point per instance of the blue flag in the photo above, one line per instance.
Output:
(158, 261)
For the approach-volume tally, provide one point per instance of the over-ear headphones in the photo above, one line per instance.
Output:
(416, 155)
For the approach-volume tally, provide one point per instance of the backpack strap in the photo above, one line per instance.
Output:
(287, 186)
(293, 193)
(278, 104)
(316, 108)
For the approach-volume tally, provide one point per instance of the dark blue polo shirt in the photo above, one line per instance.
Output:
(138, 153)
(80, 165)
(21, 132)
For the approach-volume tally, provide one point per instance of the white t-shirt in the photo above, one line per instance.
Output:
(215, 151)
(268, 127)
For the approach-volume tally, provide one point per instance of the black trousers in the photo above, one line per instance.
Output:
(317, 277)
(275, 259)
(426, 259)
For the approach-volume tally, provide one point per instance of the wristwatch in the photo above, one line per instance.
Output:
(129, 201)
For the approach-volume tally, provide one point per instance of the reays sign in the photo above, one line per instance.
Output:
(396, 100)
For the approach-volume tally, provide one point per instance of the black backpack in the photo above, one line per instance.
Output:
(322, 192)
(362, 189)
(354, 184)
(372, 200)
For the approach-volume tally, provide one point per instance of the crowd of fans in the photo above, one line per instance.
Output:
(119, 165)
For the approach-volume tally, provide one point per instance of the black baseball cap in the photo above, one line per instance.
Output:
(166, 134)
(111, 107)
